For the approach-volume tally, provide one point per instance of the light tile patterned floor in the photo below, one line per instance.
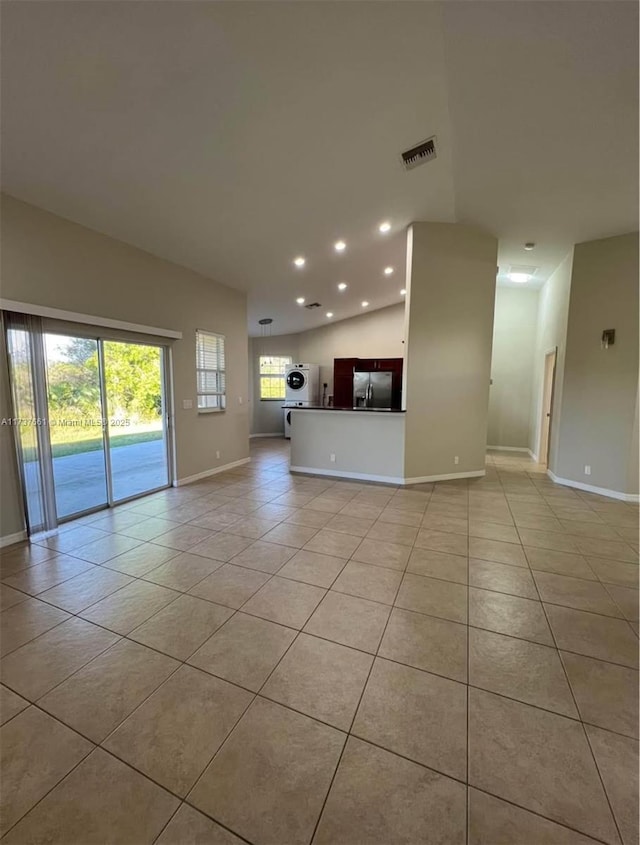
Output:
(285, 660)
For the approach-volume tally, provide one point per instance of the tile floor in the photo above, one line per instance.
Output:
(283, 660)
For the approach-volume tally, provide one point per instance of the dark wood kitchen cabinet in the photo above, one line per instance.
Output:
(344, 368)
(365, 365)
(393, 364)
(343, 381)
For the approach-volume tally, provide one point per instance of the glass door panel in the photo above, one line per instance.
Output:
(135, 401)
(75, 423)
(26, 425)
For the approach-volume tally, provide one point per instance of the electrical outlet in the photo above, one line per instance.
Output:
(587, 469)
(456, 459)
(217, 454)
(239, 400)
(332, 457)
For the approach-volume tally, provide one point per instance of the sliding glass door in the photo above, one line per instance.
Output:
(29, 424)
(75, 416)
(134, 389)
(93, 420)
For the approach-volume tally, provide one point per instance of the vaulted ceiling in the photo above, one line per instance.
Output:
(231, 137)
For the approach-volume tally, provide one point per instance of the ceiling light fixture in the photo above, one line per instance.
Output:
(339, 246)
(365, 303)
(403, 292)
(265, 326)
(329, 313)
(300, 300)
(529, 246)
(342, 286)
(519, 278)
(388, 271)
(384, 227)
(300, 261)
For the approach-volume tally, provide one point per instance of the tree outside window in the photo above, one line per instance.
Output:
(272, 371)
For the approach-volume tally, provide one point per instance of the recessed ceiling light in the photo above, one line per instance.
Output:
(342, 286)
(329, 313)
(520, 278)
(300, 300)
(300, 261)
(529, 246)
(365, 303)
(388, 271)
(384, 227)
(403, 292)
(339, 246)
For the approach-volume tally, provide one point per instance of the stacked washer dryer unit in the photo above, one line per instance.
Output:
(302, 388)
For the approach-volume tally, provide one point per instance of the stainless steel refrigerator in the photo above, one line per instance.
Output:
(372, 389)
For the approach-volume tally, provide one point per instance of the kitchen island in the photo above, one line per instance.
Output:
(358, 443)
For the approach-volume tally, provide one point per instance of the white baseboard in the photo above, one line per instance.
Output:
(358, 476)
(450, 476)
(591, 488)
(522, 449)
(10, 539)
(179, 482)
(268, 434)
(386, 479)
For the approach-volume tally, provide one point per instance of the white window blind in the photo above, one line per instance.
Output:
(272, 370)
(210, 371)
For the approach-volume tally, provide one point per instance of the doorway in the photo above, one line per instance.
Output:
(549, 376)
(100, 405)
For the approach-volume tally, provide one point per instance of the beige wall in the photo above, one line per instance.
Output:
(601, 386)
(451, 294)
(551, 333)
(514, 339)
(633, 475)
(51, 262)
(378, 334)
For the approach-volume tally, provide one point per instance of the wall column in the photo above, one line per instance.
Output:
(598, 420)
(451, 282)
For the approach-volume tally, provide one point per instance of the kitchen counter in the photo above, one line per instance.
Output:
(332, 408)
(348, 443)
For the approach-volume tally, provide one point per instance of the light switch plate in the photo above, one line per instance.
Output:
(187, 404)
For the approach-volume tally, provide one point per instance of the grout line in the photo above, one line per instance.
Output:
(538, 815)
(169, 820)
(575, 703)
(468, 803)
(184, 662)
(57, 783)
(362, 693)
(142, 578)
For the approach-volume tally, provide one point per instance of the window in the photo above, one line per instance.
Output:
(210, 371)
(272, 370)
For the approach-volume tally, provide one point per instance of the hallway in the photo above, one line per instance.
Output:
(267, 658)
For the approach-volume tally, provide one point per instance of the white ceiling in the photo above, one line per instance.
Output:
(232, 136)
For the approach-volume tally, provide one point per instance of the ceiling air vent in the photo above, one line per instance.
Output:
(313, 305)
(420, 154)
